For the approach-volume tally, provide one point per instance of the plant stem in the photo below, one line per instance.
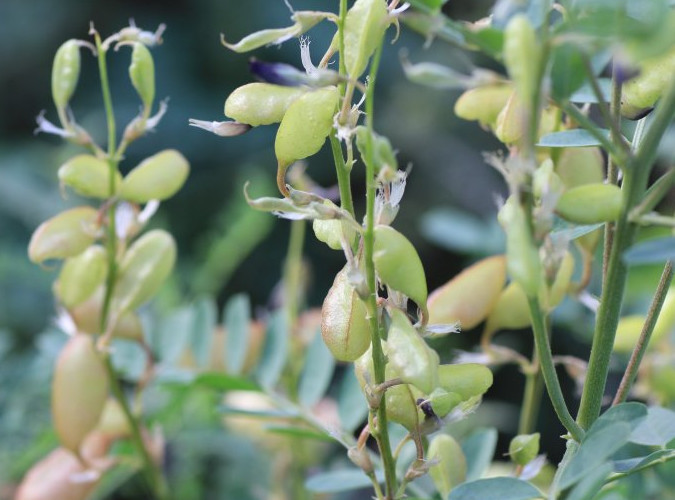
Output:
(548, 370)
(634, 186)
(529, 411)
(342, 170)
(381, 432)
(573, 112)
(645, 334)
(655, 194)
(152, 473)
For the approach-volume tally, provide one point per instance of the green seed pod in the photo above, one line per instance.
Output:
(483, 103)
(511, 312)
(304, 128)
(522, 53)
(64, 235)
(510, 123)
(87, 318)
(401, 400)
(524, 448)
(411, 357)
(398, 265)
(442, 401)
(156, 178)
(306, 124)
(466, 379)
(88, 176)
(261, 103)
(144, 268)
(590, 203)
(545, 182)
(640, 94)
(333, 231)
(81, 275)
(79, 391)
(65, 73)
(522, 255)
(142, 74)
(364, 29)
(384, 154)
(450, 471)
(470, 296)
(113, 422)
(578, 166)
(344, 326)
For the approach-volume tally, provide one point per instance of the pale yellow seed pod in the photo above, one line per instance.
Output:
(579, 166)
(483, 103)
(89, 176)
(468, 380)
(590, 203)
(522, 54)
(450, 471)
(143, 270)
(81, 275)
(142, 74)
(261, 103)
(344, 326)
(364, 29)
(158, 177)
(79, 391)
(64, 235)
(87, 318)
(511, 312)
(470, 296)
(65, 73)
(510, 124)
(524, 448)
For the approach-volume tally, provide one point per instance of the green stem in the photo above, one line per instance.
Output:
(636, 176)
(655, 194)
(342, 170)
(645, 335)
(575, 113)
(534, 386)
(654, 219)
(381, 433)
(152, 473)
(548, 370)
(291, 282)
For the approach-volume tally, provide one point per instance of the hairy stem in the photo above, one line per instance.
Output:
(152, 473)
(634, 186)
(548, 370)
(381, 432)
(529, 411)
(645, 335)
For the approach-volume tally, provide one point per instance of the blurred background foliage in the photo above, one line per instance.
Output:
(224, 247)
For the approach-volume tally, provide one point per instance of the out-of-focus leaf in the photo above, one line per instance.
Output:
(225, 382)
(298, 432)
(204, 314)
(262, 414)
(352, 407)
(584, 94)
(570, 139)
(171, 335)
(128, 359)
(638, 463)
(316, 374)
(652, 251)
(567, 71)
(462, 232)
(535, 10)
(657, 429)
(237, 317)
(495, 488)
(275, 351)
(479, 448)
(590, 484)
(340, 480)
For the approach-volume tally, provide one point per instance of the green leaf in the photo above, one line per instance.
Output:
(479, 449)
(203, 325)
(298, 432)
(535, 11)
(631, 413)
(352, 407)
(495, 488)
(595, 450)
(275, 351)
(652, 251)
(577, 137)
(638, 463)
(591, 483)
(585, 94)
(129, 359)
(317, 372)
(430, 4)
(237, 317)
(657, 429)
(462, 232)
(225, 382)
(566, 231)
(340, 480)
(172, 335)
(262, 414)
(567, 71)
